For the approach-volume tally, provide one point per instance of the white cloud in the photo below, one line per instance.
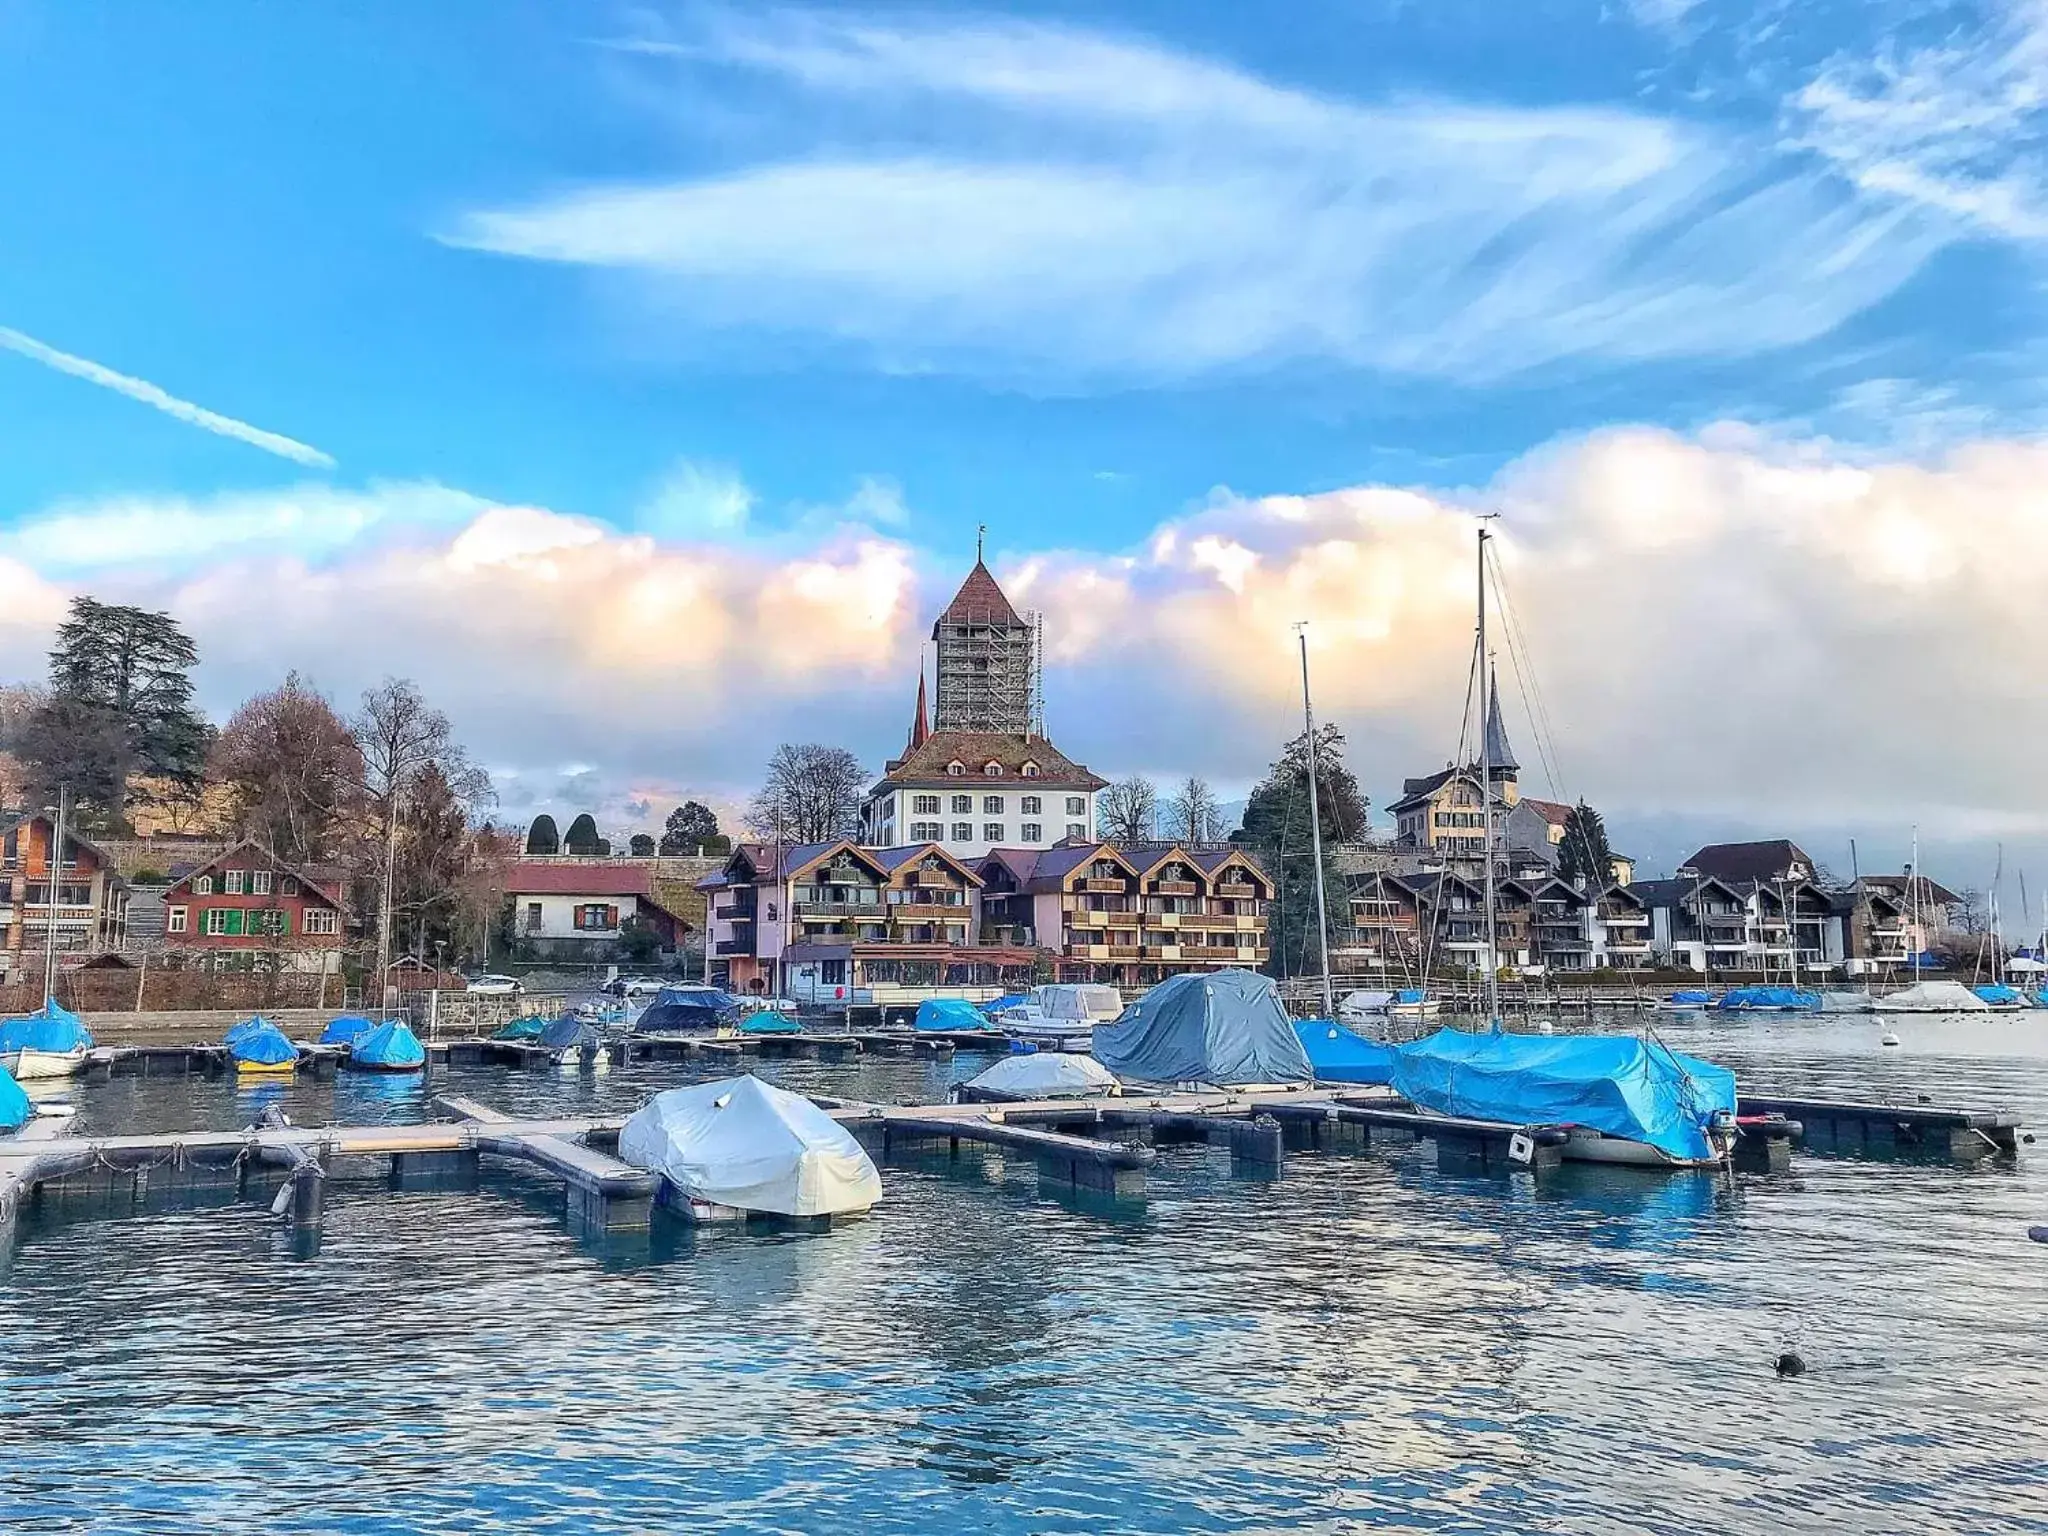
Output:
(1958, 126)
(152, 395)
(1735, 625)
(1663, 15)
(1044, 203)
(697, 500)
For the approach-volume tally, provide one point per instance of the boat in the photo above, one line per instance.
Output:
(257, 1046)
(1062, 1014)
(16, 1110)
(769, 1021)
(572, 1038)
(343, 1028)
(2001, 998)
(1342, 1055)
(390, 1047)
(1846, 1000)
(1620, 1099)
(528, 1026)
(1933, 997)
(1365, 1004)
(1769, 999)
(1413, 1003)
(686, 1009)
(1040, 1075)
(1686, 1001)
(1003, 1004)
(946, 1014)
(740, 1147)
(51, 1042)
(1222, 1027)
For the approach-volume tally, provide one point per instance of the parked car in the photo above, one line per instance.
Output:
(496, 986)
(633, 987)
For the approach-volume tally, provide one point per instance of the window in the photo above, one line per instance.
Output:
(1077, 805)
(533, 917)
(991, 805)
(1075, 829)
(174, 919)
(203, 886)
(963, 831)
(955, 769)
(214, 921)
(287, 886)
(276, 924)
(1033, 832)
(1030, 770)
(596, 916)
(231, 882)
(925, 805)
(325, 920)
(927, 831)
(992, 831)
(259, 882)
(1030, 805)
(962, 804)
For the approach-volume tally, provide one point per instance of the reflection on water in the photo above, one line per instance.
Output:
(1361, 1342)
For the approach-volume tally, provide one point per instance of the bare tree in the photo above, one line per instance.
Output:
(812, 794)
(1193, 813)
(1128, 810)
(292, 766)
(402, 737)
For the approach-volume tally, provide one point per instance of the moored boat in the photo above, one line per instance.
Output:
(345, 1027)
(257, 1046)
(1040, 1075)
(2001, 998)
(1933, 997)
(390, 1047)
(769, 1022)
(16, 1110)
(1687, 1000)
(1217, 1027)
(1342, 1055)
(1063, 1013)
(1769, 1000)
(688, 1008)
(936, 1015)
(740, 1147)
(572, 1038)
(1414, 1003)
(51, 1042)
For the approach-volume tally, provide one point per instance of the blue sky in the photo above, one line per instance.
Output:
(313, 284)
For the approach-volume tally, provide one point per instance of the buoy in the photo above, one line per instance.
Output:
(1545, 1027)
(1889, 1039)
(1790, 1364)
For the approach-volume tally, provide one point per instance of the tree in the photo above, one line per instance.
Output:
(134, 666)
(292, 767)
(581, 839)
(642, 846)
(542, 840)
(1192, 813)
(812, 795)
(70, 744)
(1584, 857)
(18, 705)
(689, 825)
(1127, 811)
(1277, 825)
(401, 737)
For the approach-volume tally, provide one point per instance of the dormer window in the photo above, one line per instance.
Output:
(1030, 770)
(993, 770)
(955, 769)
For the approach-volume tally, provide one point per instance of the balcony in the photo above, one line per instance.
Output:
(1238, 892)
(1162, 951)
(735, 911)
(928, 911)
(1166, 919)
(1117, 887)
(1625, 919)
(735, 946)
(1175, 888)
(1087, 918)
(834, 911)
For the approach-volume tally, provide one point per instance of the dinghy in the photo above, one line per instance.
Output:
(15, 1108)
(740, 1147)
(390, 1047)
(1040, 1075)
(258, 1046)
(51, 1042)
(1933, 997)
(1621, 1099)
(344, 1028)
(1341, 1055)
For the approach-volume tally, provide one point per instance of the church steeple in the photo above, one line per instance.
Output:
(920, 727)
(1498, 752)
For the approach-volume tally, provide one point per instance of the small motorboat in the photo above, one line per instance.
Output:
(526, 1027)
(344, 1028)
(1364, 1004)
(1846, 1000)
(1040, 1075)
(51, 1042)
(739, 1147)
(1414, 1003)
(768, 1021)
(1689, 1000)
(952, 1015)
(688, 1008)
(573, 1040)
(1769, 1000)
(1342, 1055)
(390, 1047)
(1933, 997)
(1063, 1015)
(2001, 998)
(257, 1046)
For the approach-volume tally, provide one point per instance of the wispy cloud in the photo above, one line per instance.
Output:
(1064, 207)
(153, 395)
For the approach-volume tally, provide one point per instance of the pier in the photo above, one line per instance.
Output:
(1830, 1125)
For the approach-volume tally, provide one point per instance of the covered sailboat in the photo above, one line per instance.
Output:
(1341, 1055)
(1769, 1000)
(1933, 997)
(742, 1146)
(1040, 1075)
(15, 1108)
(345, 1027)
(1624, 1100)
(390, 1047)
(1205, 1027)
(685, 1009)
(51, 1042)
(257, 1045)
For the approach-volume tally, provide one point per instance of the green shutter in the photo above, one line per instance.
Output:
(235, 921)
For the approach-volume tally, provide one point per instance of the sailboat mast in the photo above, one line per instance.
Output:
(1913, 890)
(1492, 985)
(56, 875)
(1315, 829)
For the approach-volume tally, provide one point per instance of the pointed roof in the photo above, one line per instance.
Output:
(979, 601)
(920, 728)
(1500, 756)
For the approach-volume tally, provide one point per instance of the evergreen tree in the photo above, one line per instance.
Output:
(581, 839)
(542, 840)
(690, 825)
(1584, 858)
(1277, 827)
(642, 846)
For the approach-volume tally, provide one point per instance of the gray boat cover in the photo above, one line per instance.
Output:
(1047, 1075)
(1205, 1027)
(743, 1144)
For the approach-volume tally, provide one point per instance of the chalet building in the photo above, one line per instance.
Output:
(91, 910)
(1379, 928)
(987, 777)
(246, 902)
(1397, 922)
(1129, 915)
(817, 922)
(1900, 897)
(580, 910)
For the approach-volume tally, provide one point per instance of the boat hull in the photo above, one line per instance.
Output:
(1584, 1146)
(266, 1068)
(29, 1064)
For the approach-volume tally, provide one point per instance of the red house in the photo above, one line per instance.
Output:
(248, 900)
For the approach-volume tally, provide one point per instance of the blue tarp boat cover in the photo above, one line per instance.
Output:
(951, 1013)
(1999, 995)
(260, 1043)
(1341, 1055)
(52, 1027)
(769, 1022)
(344, 1028)
(390, 1045)
(525, 1027)
(1770, 1000)
(1004, 1004)
(1615, 1084)
(679, 1008)
(1205, 1027)
(1692, 999)
(569, 1033)
(1411, 995)
(15, 1109)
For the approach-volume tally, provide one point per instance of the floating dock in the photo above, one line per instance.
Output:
(1831, 1125)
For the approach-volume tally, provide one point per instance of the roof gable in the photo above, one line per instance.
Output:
(979, 601)
(313, 881)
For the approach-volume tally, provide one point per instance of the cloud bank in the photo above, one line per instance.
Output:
(1729, 624)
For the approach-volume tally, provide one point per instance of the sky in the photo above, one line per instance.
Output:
(636, 378)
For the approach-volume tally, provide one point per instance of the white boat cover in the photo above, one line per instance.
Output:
(1047, 1075)
(1933, 997)
(1364, 1004)
(1076, 1002)
(741, 1143)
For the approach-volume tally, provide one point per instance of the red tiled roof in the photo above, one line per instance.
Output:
(975, 750)
(1552, 811)
(979, 601)
(596, 878)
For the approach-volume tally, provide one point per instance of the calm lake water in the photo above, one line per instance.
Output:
(1361, 1343)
